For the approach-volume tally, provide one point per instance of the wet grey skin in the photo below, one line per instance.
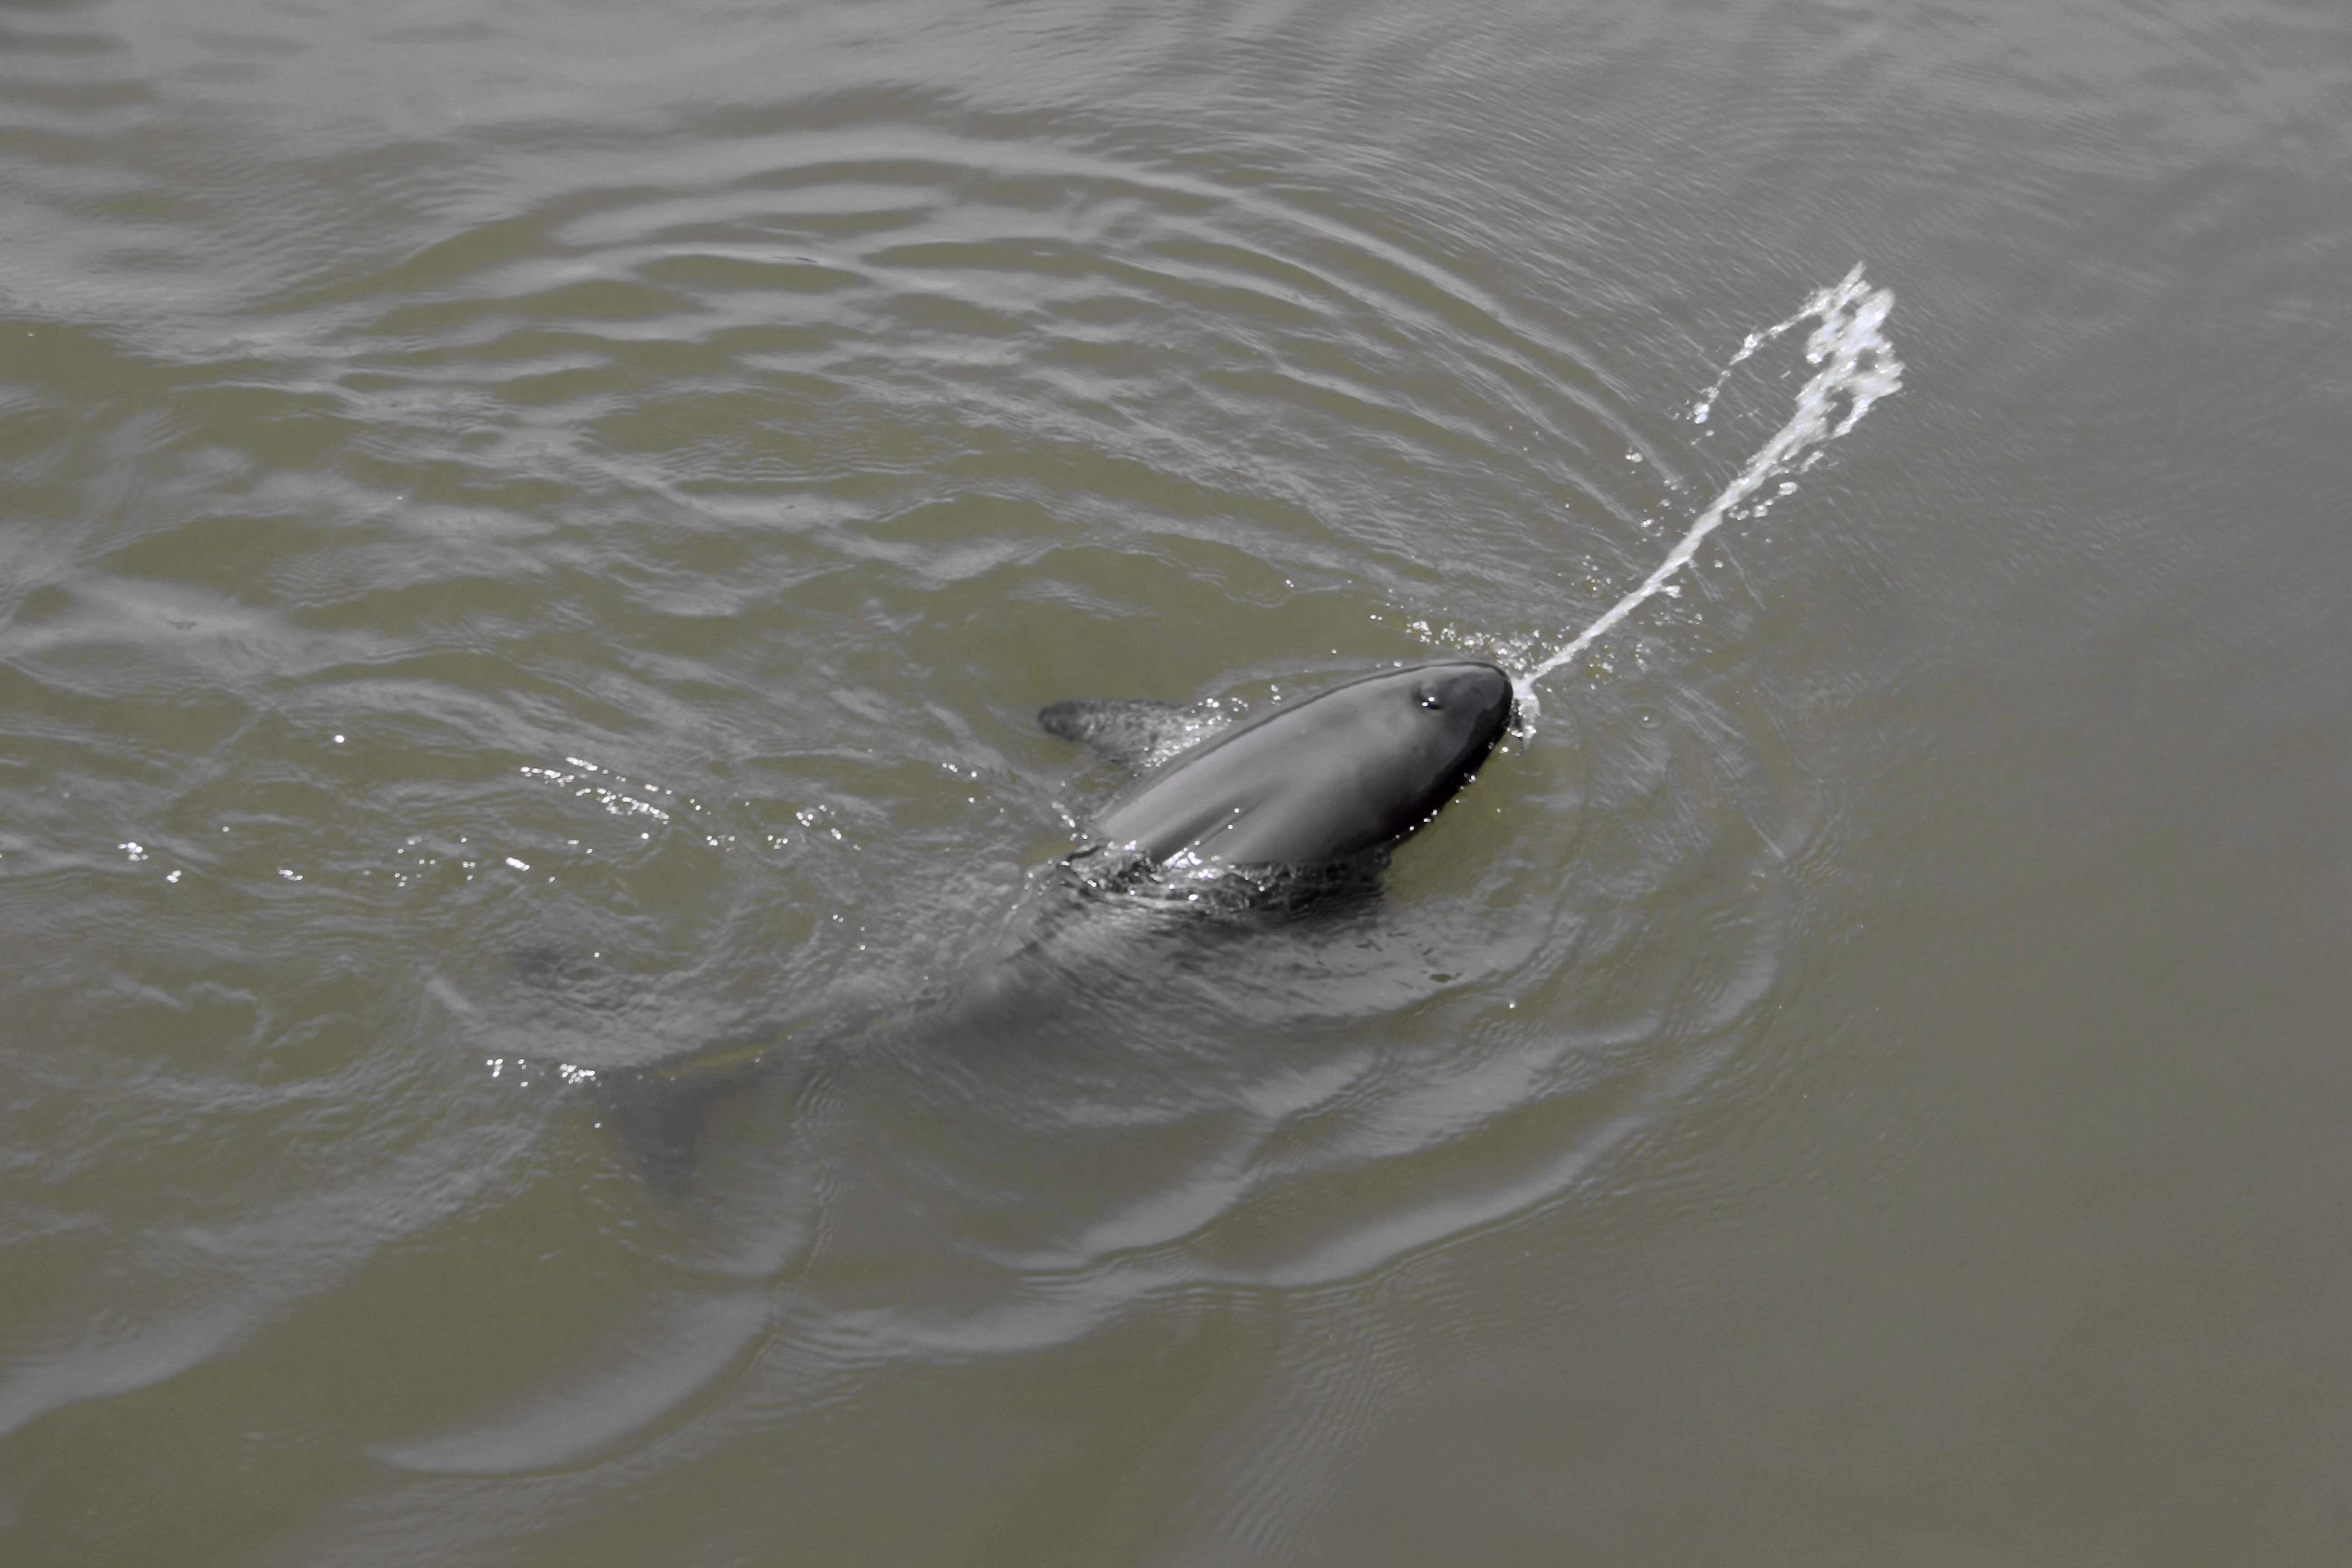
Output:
(1352, 769)
(1329, 778)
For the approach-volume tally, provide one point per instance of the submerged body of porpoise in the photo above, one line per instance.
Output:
(1311, 793)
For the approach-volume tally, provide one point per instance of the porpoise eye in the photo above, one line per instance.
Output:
(1426, 698)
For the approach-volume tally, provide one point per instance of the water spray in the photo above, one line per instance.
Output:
(1858, 367)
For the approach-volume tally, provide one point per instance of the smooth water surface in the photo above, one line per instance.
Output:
(532, 540)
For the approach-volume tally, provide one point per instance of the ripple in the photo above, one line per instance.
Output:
(36, 1385)
(548, 533)
(659, 1371)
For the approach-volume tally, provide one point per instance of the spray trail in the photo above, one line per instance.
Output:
(1858, 367)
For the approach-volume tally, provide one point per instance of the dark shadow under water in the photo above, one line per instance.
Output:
(1096, 936)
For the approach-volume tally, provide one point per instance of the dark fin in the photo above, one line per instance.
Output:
(1136, 730)
(660, 1113)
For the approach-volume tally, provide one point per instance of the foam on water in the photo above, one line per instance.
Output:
(1858, 367)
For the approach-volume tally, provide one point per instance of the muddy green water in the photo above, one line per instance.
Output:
(531, 538)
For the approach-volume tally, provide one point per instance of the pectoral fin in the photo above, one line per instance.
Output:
(660, 1111)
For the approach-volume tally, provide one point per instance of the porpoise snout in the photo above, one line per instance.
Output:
(1474, 691)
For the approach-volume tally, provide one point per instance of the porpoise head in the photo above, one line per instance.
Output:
(1441, 722)
(1344, 771)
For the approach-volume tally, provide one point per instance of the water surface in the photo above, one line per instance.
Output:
(531, 538)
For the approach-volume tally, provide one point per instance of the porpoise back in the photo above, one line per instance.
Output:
(1345, 771)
